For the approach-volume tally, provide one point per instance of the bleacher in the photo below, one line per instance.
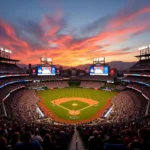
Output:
(141, 65)
(89, 84)
(6, 68)
(96, 78)
(7, 89)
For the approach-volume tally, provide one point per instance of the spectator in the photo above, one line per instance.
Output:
(27, 144)
(142, 143)
(15, 140)
(95, 142)
(36, 136)
(62, 141)
(48, 143)
(128, 138)
(3, 143)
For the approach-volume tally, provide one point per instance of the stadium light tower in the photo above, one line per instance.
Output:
(144, 52)
(99, 60)
(46, 60)
(5, 53)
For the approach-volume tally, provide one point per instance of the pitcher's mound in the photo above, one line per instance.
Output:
(74, 104)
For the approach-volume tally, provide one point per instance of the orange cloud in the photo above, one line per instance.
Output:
(67, 50)
(10, 32)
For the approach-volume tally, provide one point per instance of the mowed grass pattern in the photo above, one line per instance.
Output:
(79, 106)
(98, 95)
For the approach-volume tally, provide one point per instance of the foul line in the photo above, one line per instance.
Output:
(61, 106)
(72, 110)
(88, 107)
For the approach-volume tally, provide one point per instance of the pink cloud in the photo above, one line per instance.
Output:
(70, 50)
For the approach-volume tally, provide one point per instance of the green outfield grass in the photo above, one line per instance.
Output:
(70, 105)
(98, 95)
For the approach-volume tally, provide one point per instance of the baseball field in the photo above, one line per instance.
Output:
(74, 105)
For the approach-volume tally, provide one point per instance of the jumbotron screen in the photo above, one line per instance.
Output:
(41, 71)
(99, 70)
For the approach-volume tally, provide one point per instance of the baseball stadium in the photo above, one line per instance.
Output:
(74, 75)
(74, 98)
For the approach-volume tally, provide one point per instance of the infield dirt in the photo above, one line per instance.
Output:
(85, 100)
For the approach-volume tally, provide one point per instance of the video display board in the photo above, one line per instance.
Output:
(34, 71)
(41, 71)
(99, 70)
(112, 72)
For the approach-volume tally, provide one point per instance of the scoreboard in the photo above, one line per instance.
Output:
(99, 70)
(46, 70)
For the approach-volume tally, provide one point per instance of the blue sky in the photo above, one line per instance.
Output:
(74, 32)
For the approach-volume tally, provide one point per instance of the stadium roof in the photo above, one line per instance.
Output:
(8, 59)
(146, 56)
(142, 55)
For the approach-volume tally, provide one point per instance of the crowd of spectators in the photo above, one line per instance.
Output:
(120, 87)
(117, 136)
(142, 88)
(89, 84)
(21, 105)
(57, 84)
(127, 105)
(50, 85)
(35, 84)
(96, 78)
(46, 78)
(34, 136)
(7, 89)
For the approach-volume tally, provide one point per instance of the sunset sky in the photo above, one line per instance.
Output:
(73, 32)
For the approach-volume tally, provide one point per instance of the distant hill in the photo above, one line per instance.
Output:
(120, 65)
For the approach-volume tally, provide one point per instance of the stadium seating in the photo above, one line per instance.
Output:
(27, 101)
(139, 79)
(10, 68)
(106, 136)
(88, 84)
(120, 129)
(57, 84)
(48, 136)
(141, 65)
(126, 106)
(96, 78)
(142, 88)
(6, 90)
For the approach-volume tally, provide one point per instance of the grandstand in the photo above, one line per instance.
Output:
(8, 66)
(89, 84)
(138, 76)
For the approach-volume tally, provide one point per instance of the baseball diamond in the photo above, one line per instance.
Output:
(85, 104)
(90, 103)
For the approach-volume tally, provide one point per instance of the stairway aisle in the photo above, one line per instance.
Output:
(77, 138)
(80, 144)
